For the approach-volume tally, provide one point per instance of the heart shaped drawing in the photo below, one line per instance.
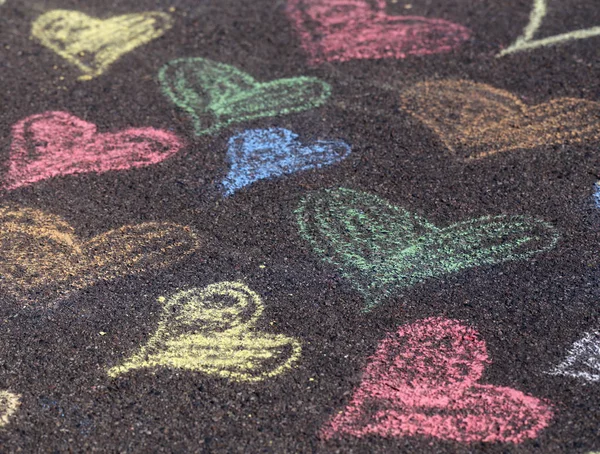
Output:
(212, 331)
(381, 248)
(342, 30)
(423, 381)
(476, 120)
(216, 95)
(266, 153)
(583, 359)
(57, 143)
(94, 44)
(42, 260)
(526, 41)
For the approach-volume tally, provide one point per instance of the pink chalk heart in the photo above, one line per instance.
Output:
(423, 380)
(342, 30)
(57, 143)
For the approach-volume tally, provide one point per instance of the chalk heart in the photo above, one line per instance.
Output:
(212, 330)
(583, 360)
(381, 248)
(216, 95)
(94, 44)
(266, 153)
(43, 261)
(423, 380)
(476, 120)
(527, 42)
(342, 30)
(57, 143)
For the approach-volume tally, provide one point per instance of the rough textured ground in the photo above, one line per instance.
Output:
(529, 312)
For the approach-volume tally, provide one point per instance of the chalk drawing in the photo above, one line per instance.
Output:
(596, 195)
(216, 95)
(257, 154)
(381, 248)
(56, 143)
(342, 30)
(212, 330)
(94, 44)
(526, 41)
(477, 120)
(583, 359)
(9, 403)
(423, 381)
(43, 261)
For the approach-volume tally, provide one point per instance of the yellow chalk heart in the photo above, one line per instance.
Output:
(211, 331)
(94, 44)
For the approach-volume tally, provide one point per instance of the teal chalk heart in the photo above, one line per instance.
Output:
(216, 95)
(258, 154)
(381, 248)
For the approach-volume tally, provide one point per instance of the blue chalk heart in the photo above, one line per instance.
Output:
(257, 154)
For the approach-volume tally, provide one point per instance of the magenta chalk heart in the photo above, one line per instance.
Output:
(57, 143)
(424, 380)
(342, 30)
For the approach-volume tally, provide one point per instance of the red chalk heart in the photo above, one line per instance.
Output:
(341, 30)
(423, 381)
(57, 143)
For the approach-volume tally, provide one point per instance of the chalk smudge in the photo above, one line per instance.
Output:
(9, 403)
(258, 154)
(94, 44)
(423, 381)
(596, 195)
(381, 248)
(342, 30)
(476, 120)
(216, 95)
(57, 143)
(212, 330)
(42, 260)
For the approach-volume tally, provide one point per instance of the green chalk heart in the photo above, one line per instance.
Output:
(217, 95)
(382, 248)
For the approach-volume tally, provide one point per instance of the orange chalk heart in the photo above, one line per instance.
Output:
(42, 260)
(476, 120)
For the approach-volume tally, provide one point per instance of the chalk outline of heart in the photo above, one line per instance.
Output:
(382, 363)
(38, 31)
(245, 330)
(21, 129)
(54, 229)
(352, 272)
(238, 141)
(183, 101)
(507, 111)
(526, 41)
(316, 53)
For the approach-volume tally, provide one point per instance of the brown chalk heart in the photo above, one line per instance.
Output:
(43, 261)
(476, 120)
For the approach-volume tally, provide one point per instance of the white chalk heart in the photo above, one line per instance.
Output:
(526, 41)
